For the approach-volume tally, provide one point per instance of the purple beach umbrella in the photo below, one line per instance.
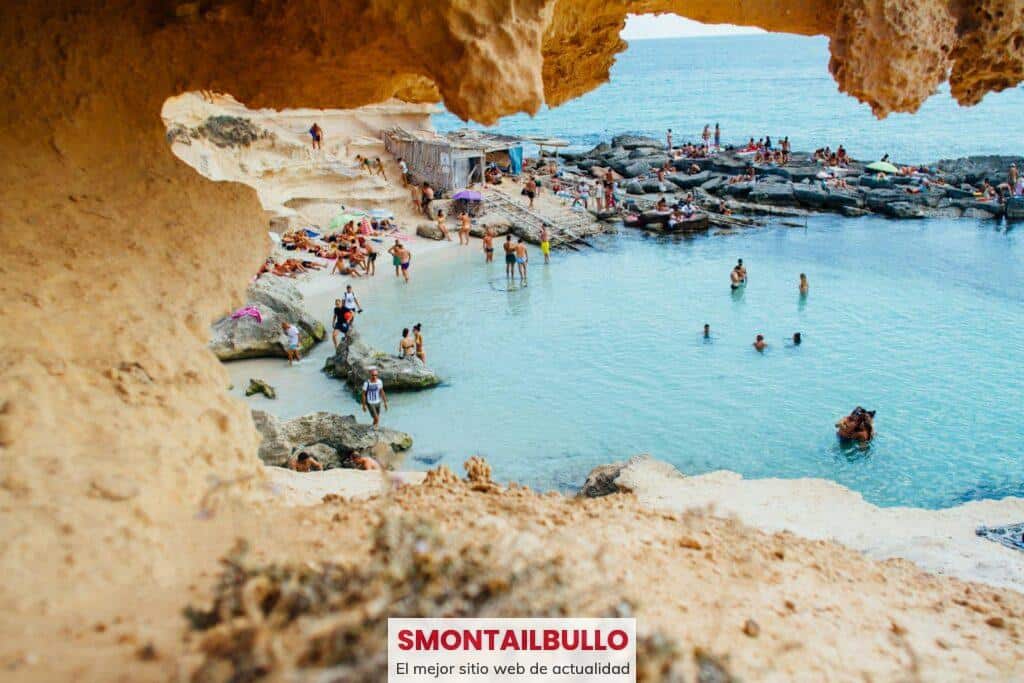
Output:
(468, 195)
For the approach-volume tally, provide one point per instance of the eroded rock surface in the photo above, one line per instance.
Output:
(278, 301)
(283, 439)
(355, 358)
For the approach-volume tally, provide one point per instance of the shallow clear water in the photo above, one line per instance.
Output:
(758, 85)
(601, 357)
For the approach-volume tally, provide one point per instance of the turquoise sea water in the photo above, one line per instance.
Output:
(758, 85)
(601, 357)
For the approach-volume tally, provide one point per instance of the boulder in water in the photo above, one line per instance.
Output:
(622, 477)
(281, 439)
(354, 358)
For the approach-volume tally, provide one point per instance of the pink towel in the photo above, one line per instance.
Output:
(250, 311)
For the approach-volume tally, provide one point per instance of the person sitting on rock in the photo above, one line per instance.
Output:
(361, 462)
(305, 462)
(661, 206)
(859, 425)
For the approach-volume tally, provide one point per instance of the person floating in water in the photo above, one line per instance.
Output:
(759, 343)
(804, 287)
(317, 133)
(797, 339)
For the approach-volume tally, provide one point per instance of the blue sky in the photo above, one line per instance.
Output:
(642, 26)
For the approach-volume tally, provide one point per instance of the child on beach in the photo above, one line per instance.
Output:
(292, 346)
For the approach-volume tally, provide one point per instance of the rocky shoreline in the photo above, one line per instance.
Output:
(949, 189)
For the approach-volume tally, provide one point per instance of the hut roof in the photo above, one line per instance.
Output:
(466, 138)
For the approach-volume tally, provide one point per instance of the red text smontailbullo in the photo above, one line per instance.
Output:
(495, 639)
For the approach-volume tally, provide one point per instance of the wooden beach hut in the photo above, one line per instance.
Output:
(450, 161)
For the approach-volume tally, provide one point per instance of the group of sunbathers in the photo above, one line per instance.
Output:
(839, 158)
(287, 268)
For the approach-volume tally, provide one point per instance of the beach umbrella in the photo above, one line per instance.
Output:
(468, 195)
(882, 167)
(344, 217)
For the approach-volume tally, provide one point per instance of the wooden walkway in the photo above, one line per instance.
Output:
(565, 231)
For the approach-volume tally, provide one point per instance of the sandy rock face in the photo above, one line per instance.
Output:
(355, 358)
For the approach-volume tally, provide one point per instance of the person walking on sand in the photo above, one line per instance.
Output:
(464, 225)
(374, 397)
(530, 189)
(406, 345)
(417, 335)
(317, 133)
(292, 345)
(488, 245)
(522, 259)
(396, 257)
(378, 168)
(371, 258)
(804, 287)
(404, 167)
(545, 243)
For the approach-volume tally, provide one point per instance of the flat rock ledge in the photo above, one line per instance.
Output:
(355, 358)
(625, 476)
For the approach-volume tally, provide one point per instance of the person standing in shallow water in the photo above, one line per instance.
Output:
(510, 257)
(545, 243)
(522, 259)
(804, 286)
(374, 397)
(707, 331)
(488, 245)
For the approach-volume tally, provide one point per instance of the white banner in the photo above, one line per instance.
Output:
(520, 650)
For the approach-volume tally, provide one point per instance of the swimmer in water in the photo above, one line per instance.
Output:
(760, 344)
(804, 287)
(797, 339)
(736, 278)
(707, 331)
(743, 270)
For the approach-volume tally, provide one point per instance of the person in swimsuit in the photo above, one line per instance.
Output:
(735, 278)
(530, 190)
(317, 133)
(718, 137)
(396, 258)
(522, 259)
(510, 257)
(406, 258)
(305, 463)
(371, 259)
(707, 331)
(464, 224)
(407, 345)
(668, 140)
(545, 243)
(488, 245)
(760, 344)
(742, 269)
(804, 287)
(442, 225)
(417, 335)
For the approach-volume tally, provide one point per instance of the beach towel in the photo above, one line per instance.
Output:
(250, 311)
(1010, 535)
